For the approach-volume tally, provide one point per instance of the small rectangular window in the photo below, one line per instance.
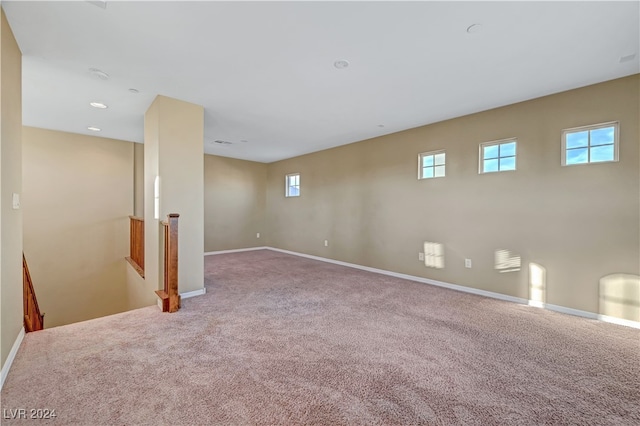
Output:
(590, 144)
(498, 156)
(292, 185)
(431, 164)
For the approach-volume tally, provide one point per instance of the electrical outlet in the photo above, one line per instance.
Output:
(15, 199)
(258, 235)
(326, 243)
(420, 256)
(467, 263)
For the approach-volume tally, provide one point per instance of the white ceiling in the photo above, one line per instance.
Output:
(264, 71)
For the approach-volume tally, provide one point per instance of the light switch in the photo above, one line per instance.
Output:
(16, 201)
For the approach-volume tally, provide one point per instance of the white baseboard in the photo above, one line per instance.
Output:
(11, 357)
(493, 295)
(186, 295)
(619, 321)
(193, 293)
(591, 315)
(570, 311)
(471, 290)
(210, 253)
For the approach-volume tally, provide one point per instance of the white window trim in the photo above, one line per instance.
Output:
(616, 144)
(496, 142)
(434, 153)
(286, 185)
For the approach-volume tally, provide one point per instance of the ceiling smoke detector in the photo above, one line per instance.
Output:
(102, 4)
(627, 58)
(341, 64)
(99, 73)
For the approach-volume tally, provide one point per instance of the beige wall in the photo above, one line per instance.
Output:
(174, 136)
(11, 315)
(78, 194)
(580, 223)
(138, 179)
(234, 203)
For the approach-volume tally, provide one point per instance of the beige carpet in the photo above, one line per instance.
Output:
(284, 340)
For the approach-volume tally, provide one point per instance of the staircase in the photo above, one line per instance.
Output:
(33, 320)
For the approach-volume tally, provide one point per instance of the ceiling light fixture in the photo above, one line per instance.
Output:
(99, 105)
(99, 73)
(474, 28)
(341, 64)
(94, 128)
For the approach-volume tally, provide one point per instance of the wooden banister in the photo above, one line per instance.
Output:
(136, 244)
(33, 320)
(169, 294)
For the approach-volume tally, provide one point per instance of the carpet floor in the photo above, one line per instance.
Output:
(284, 340)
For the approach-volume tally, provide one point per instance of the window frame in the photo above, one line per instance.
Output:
(589, 128)
(428, 154)
(287, 194)
(494, 143)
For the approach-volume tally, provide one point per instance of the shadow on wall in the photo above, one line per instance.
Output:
(620, 296)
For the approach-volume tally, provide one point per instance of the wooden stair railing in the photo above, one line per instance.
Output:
(169, 295)
(33, 320)
(136, 244)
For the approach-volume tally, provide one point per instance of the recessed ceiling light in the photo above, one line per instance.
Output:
(474, 28)
(94, 129)
(98, 105)
(627, 58)
(341, 64)
(380, 125)
(99, 73)
(134, 90)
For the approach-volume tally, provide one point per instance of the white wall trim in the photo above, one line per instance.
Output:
(193, 293)
(556, 308)
(210, 253)
(410, 277)
(591, 315)
(619, 321)
(11, 357)
(570, 311)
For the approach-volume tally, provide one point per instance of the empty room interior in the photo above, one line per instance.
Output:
(278, 213)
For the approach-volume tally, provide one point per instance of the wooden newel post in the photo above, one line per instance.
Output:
(169, 295)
